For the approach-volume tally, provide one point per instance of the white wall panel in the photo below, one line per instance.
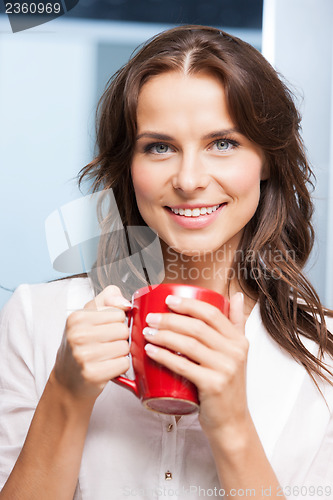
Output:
(297, 40)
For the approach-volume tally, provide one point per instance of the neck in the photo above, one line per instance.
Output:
(212, 270)
(209, 270)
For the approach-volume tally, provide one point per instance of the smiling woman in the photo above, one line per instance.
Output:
(199, 140)
(205, 166)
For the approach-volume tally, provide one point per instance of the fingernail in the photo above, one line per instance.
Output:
(173, 300)
(149, 331)
(151, 349)
(121, 301)
(153, 319)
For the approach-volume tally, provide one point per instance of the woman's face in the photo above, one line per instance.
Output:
(196, 178)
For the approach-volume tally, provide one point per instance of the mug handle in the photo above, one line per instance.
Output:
(127, 383)
(124, 381)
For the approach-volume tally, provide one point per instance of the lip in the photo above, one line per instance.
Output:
(195, 222)
(198, 204)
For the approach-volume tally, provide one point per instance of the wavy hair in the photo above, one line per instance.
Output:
(276, 243)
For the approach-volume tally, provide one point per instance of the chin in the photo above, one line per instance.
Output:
(191, 253)
(191, 250)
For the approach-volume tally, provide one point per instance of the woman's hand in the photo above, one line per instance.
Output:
(94, 348)
(216, 353)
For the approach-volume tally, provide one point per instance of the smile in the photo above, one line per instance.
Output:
(195, 218)
(194, 212)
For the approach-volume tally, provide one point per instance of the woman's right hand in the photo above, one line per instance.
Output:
(95, 346)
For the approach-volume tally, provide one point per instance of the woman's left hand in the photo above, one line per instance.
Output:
(216, 354)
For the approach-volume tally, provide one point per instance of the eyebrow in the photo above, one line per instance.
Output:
(164, 137)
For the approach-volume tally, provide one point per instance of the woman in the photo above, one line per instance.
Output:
(199, 140)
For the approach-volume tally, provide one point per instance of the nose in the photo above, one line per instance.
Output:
(190, 174)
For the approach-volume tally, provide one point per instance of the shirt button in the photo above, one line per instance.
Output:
(167, 475)
(170, 427)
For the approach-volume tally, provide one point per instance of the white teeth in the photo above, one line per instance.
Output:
(195, 212)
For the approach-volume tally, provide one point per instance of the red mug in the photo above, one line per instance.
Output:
(159, 388)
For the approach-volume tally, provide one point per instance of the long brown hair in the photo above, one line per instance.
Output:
(277, 241)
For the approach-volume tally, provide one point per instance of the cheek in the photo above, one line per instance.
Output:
(247, 184)
(245, 181)
(142, 182)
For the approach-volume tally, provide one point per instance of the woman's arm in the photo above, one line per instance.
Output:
(51, 456)
(93, 351)
(215, 350)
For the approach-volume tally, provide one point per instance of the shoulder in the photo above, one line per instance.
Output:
(50, 291)
(44, 305)
(71, 293)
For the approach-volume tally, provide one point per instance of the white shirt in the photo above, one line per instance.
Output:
(131, 452)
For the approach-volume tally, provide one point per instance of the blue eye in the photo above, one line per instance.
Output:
(223, 145)
(159, 148)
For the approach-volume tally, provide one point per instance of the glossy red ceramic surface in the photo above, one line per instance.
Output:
(160, 389)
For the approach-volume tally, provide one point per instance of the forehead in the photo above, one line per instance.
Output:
(177, 98)
(172, 81)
